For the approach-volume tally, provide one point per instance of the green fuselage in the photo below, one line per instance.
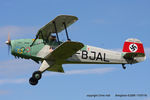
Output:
(21, 48)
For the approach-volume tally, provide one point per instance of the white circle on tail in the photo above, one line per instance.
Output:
(133, 47)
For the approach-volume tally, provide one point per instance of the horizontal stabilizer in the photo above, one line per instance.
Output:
(132, 55)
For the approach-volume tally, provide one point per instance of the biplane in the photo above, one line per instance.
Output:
(53, 53)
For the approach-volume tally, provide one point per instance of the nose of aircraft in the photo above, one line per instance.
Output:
(8, 42)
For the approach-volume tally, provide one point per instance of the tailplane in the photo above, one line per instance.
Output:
(133, 51)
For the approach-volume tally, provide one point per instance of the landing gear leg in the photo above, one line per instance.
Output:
(36, 76)
(123, 66)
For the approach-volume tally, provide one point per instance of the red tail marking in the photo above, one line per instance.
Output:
(133, 47)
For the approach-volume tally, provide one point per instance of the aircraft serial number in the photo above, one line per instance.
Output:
(94, 55)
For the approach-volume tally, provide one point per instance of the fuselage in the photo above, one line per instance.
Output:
(88, 54)
(94, 55)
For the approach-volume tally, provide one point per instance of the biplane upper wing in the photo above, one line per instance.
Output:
(59, 21)
(64, 51)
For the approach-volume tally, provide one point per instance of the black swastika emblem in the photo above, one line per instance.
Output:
(133, 47)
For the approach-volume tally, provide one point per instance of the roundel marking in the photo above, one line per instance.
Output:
(133, 47)
(20, 51)
(27, 49)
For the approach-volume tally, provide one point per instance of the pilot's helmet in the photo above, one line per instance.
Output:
(52, 38)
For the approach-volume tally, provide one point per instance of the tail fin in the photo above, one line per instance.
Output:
(133, 49)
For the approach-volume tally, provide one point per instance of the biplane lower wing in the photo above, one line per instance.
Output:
(56, 68)
(64, 51)
(53, 61)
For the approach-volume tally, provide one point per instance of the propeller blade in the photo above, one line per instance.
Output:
(8, 49)
(8, 37)
(8, 42)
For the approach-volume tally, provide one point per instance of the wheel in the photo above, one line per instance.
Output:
(123, 66)
(33, 81)
(37, 75)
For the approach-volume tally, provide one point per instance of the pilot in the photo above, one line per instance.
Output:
(53, 41)
(53, 38)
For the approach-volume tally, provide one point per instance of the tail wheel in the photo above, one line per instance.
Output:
(33, 81)
(37, 75)
(123, 66)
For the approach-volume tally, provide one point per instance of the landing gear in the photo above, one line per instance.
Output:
(123, 66)
(36, 76)
(33, 81)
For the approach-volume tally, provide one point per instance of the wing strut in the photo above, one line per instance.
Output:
(56, 31)
(34, 40)
(66, 32)
(48, 37)
(40, 32)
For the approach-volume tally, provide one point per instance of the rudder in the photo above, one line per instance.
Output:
(133, 45)
(133, 50)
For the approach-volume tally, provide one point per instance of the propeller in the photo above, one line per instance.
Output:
(8, 42)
